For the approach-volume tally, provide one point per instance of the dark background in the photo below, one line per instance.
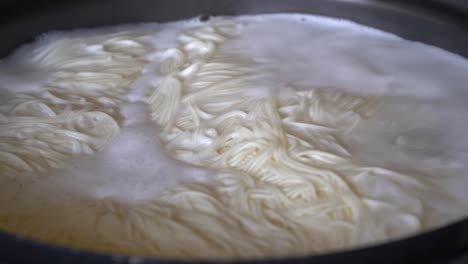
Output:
(454, 4)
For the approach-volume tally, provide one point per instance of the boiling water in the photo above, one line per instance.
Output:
(419, 128)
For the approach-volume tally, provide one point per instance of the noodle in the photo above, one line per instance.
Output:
(74, 113)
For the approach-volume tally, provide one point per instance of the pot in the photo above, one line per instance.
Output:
(438, 24)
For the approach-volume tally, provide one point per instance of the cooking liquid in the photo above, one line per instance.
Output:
(420, 126)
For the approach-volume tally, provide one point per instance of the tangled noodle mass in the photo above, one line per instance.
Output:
(285, 183)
